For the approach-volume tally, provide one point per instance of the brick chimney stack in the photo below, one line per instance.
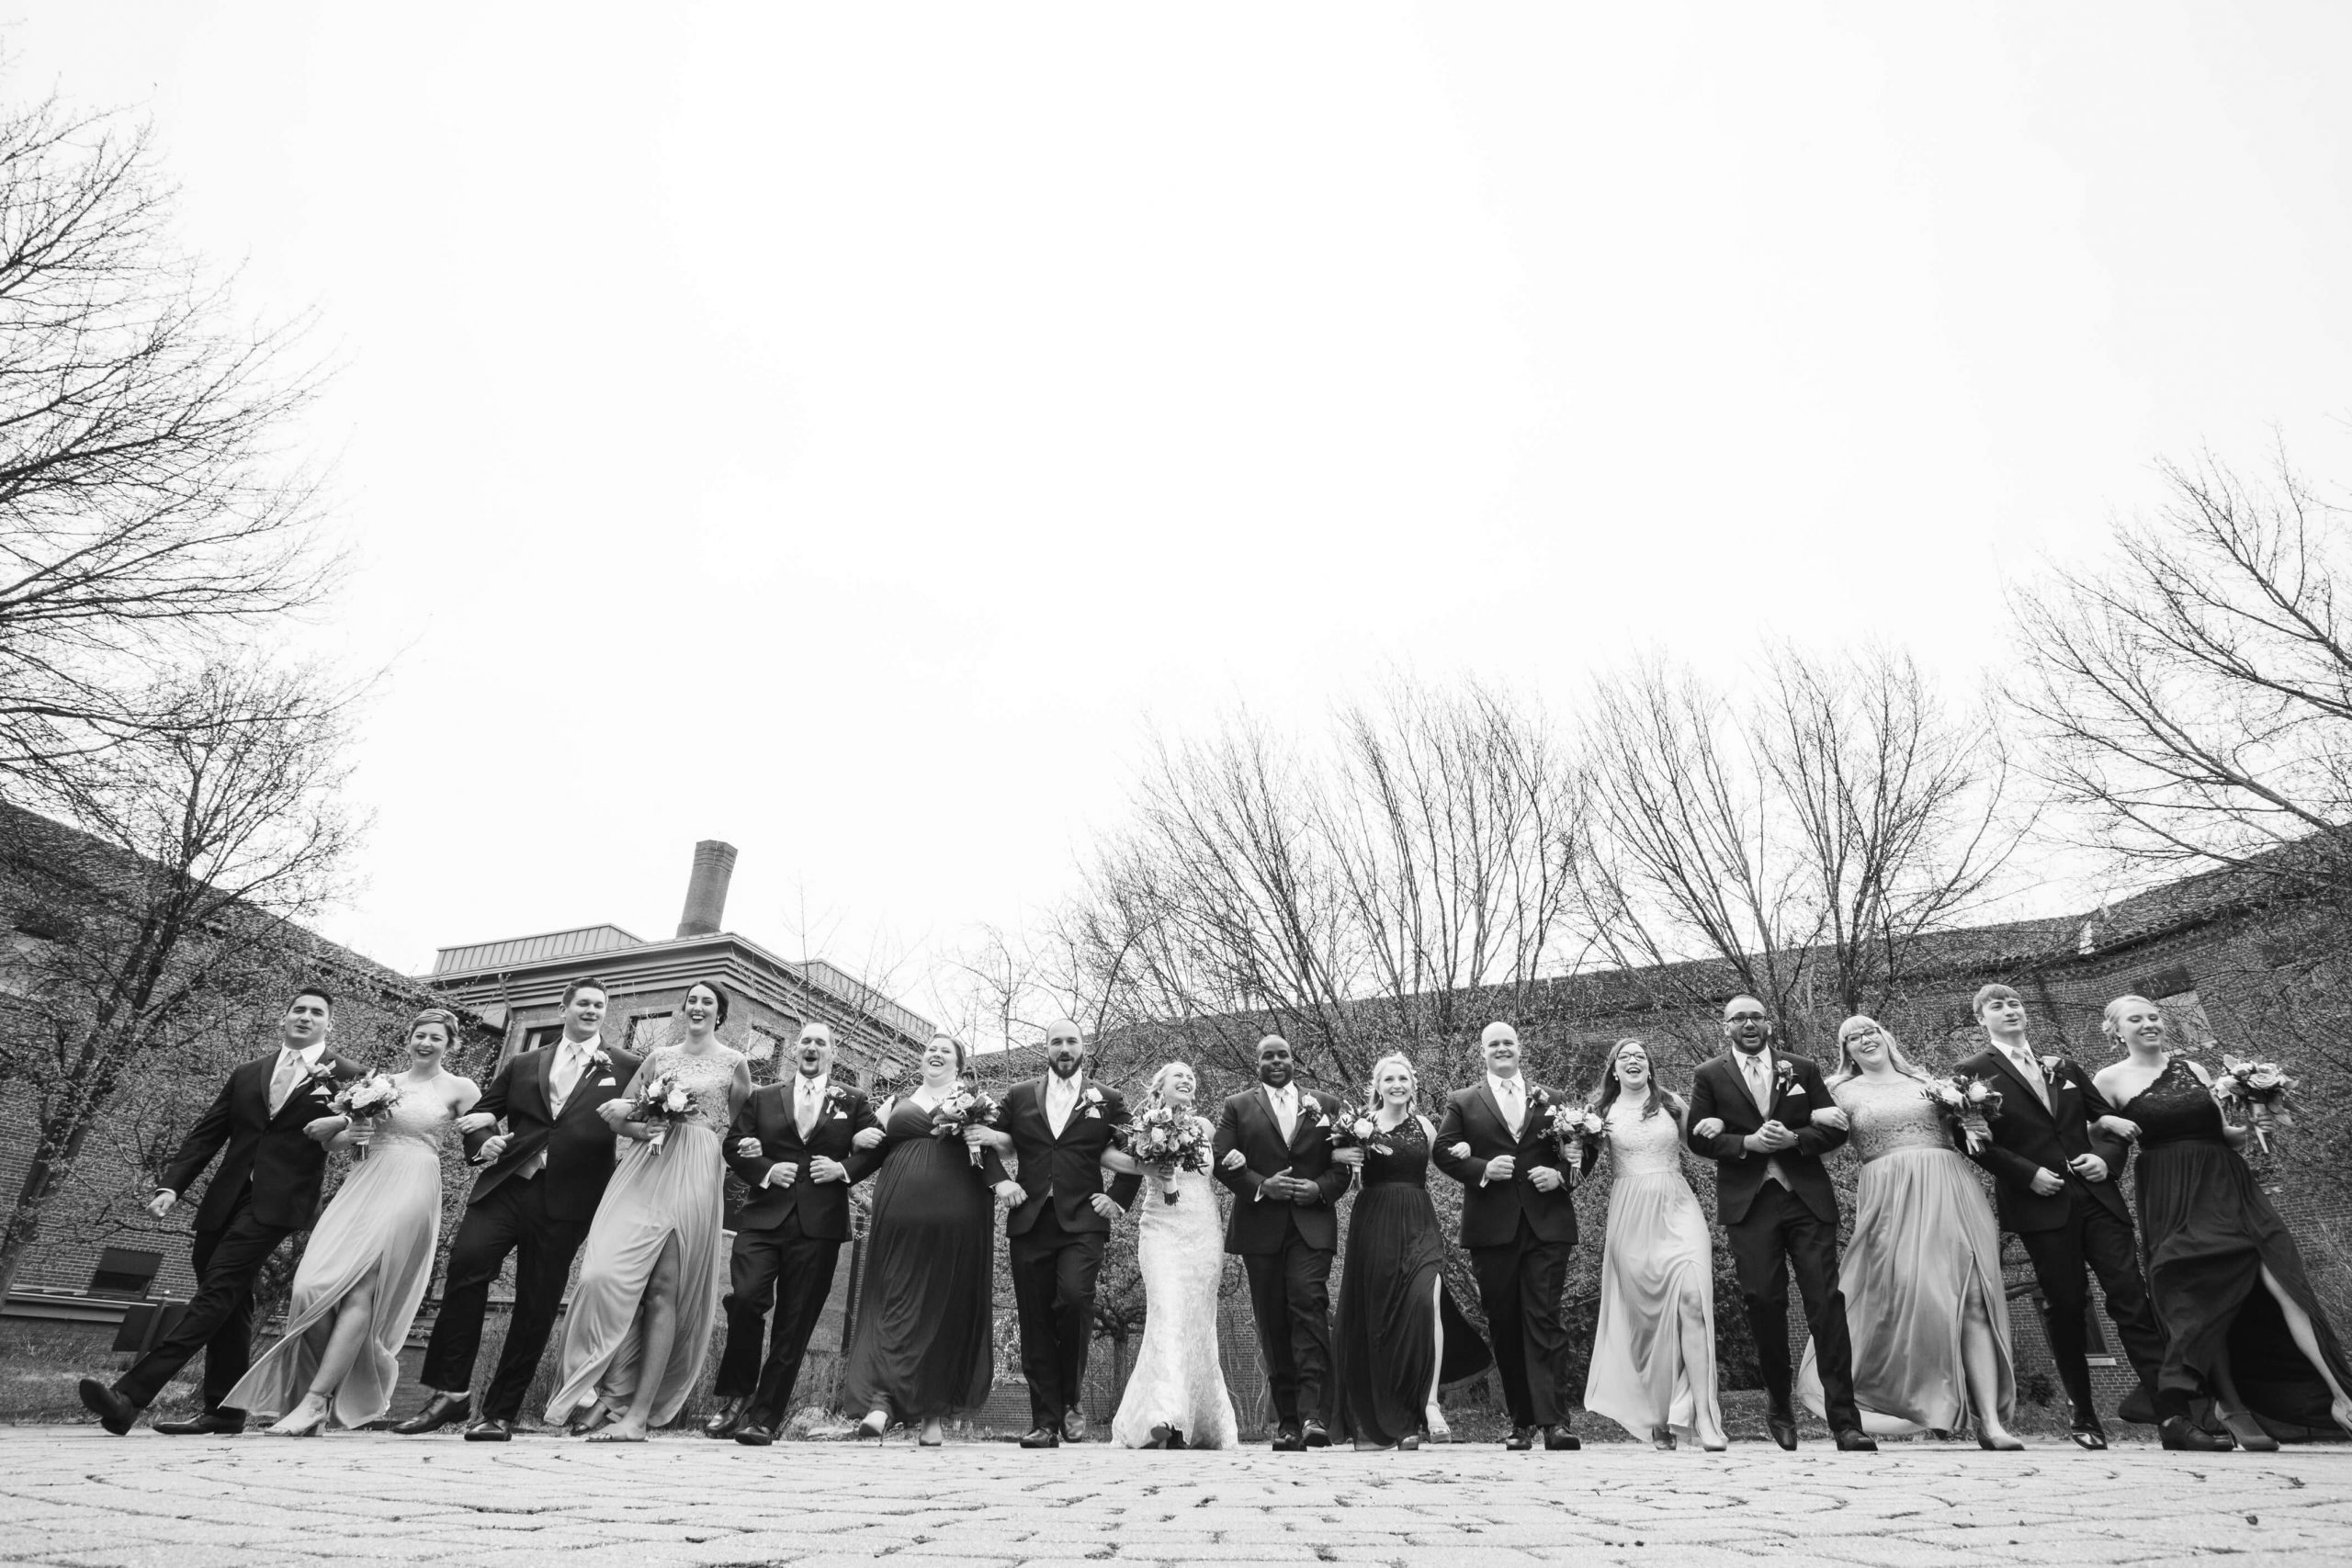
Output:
(707, 889)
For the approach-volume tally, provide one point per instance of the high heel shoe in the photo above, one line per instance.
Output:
(1439, 1432)
(2004, 1444)
(926, 1439)
(2246, 1431)
(876, 1422)
(293, 1425)
(1662, 1438)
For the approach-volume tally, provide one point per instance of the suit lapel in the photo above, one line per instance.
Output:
(1736, 1092)
(1494, 1107)
(1309, 1110)
(2009, 1069)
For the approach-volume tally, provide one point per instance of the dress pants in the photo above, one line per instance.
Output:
(763, 1265)
(512, 1218)
(1519, 1285)
(1053, 1290)
(220, 1316)
(1780, 1234)
(1290, 1296)
(2092, 1237)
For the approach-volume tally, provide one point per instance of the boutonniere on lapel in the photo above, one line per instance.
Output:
(1094, 1101)
(2050, 1070)
(319, 1078)
(837, 1101)
(1784, 1078)
(1538, 1097)
(1312, 1114)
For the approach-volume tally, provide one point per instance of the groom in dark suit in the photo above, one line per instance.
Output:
(2053, 1182)
(799, 1144)
(1519, 1223)
(1752, 1113)
(546, 1175)
(266, 1190)
(1273, 1150)
(1058, 1126)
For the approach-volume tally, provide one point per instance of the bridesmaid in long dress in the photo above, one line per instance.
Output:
(639, 1321)
(364, 1274)
(924, 1347)
(1654, 1346)
(1396, 1336)
(2227, 1280)
(1176, 1396)
(1922, 1276)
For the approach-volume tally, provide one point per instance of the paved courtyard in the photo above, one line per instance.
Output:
(72, 1495)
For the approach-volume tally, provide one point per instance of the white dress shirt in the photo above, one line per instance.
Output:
(2028, 1068)
(1757, 1069)
(1061, 1099)
(809, 1102)
(291, 1065)
(563, 1076)
(1285, 1103)
(1511, 1094)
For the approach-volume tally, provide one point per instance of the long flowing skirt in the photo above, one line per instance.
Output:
(385, 1221)
(1177, 1380)
(1384, 1343)
(1654, 1345)
(923, 1344)
(674, 1197)
(1925, 1251)
(2205, 1235)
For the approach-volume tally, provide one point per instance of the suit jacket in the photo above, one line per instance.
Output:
(268, 1152)
(1491, 1212)
(1248, 1124)
(823, 1206)
(581, 1149)
(1720, 1091)
(1070, 1166)
(2027, 1138)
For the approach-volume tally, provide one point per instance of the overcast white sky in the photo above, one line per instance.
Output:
(841, 429)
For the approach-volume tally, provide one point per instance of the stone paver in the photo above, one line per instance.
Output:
(73, 1497)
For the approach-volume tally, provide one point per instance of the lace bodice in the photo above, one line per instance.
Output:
(1407, 1163)
(1643, 1146)
(2175, 1109)
(709, 1076)
(1890, 1114)
(422, 1116)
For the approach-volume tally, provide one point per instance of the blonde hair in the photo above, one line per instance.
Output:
(450, 1027)
(1412, 1079)
(1158, 1088)
(1849, 1068)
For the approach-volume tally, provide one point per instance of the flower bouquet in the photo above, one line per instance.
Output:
(661, 1104)
(1357, 1129)
(2260, 1091)
(1166, 1143)
(1572, 1129)
(965, 1107)
(363, 1103)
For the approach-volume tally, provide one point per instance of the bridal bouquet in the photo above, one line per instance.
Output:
(661, 1104)
(1571, 1127)
(1353, 1129)
(364, 1101)
(1168, 1143)
(2259, 1090)
(965, 1107)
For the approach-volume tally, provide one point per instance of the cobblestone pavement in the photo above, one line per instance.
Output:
(72, 1495)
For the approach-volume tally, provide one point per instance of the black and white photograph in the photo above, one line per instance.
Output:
(785, 784)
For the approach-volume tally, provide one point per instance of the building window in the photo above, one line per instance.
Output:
(539, 1036)
(761, 1045)
(648, 1030)
(2186, 1016)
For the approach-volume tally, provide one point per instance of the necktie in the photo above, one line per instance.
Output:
(805, 1108)
(1507, 1091)
(2030, 1070)
(566, 1076)
(281, 1082)
(1287, 1112)
(1760, 1083)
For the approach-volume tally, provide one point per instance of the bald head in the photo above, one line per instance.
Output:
(1064, 1047)
(814, 1051)
(1274, 1064)
(1499, 1045)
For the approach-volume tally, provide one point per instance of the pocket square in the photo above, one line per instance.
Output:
(841, 1115)
(1795, 1090)
(606, 1083)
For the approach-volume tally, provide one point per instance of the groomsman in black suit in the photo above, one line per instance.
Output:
(1273, 1150)
(1752, 1113)
(1519, 1221)
(266, 1190)
(546, 1175)
(799, 1144)
(1058, 1127)
(2053, 1183)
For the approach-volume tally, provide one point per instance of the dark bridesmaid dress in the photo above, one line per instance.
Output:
(1383, 1347)
(923, 1345)
(2206, 1233)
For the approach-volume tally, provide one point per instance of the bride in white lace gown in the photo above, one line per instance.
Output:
(1176, 1395)
(364, 1273)
(1654, 1346)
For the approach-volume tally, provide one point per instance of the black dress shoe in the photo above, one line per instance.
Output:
(1782, 1425)
(1854, 1440)
(1558, 1441)
(211, 1424)
(114, 1413)
(2176, 1432)
(1522, 1438)
(1042, 1438)
(490, 1429)
(1315, 1436)
(1073, 1425)
(722, 1425)
(1288, 1441)
(441, 1410)
(752, 1434)
(2088, 1435)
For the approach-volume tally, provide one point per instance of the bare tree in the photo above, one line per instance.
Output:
(164, 888)
(1796, 844)
(2192, 692)
(148, 504)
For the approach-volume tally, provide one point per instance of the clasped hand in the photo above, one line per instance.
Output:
(1770, 1138)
